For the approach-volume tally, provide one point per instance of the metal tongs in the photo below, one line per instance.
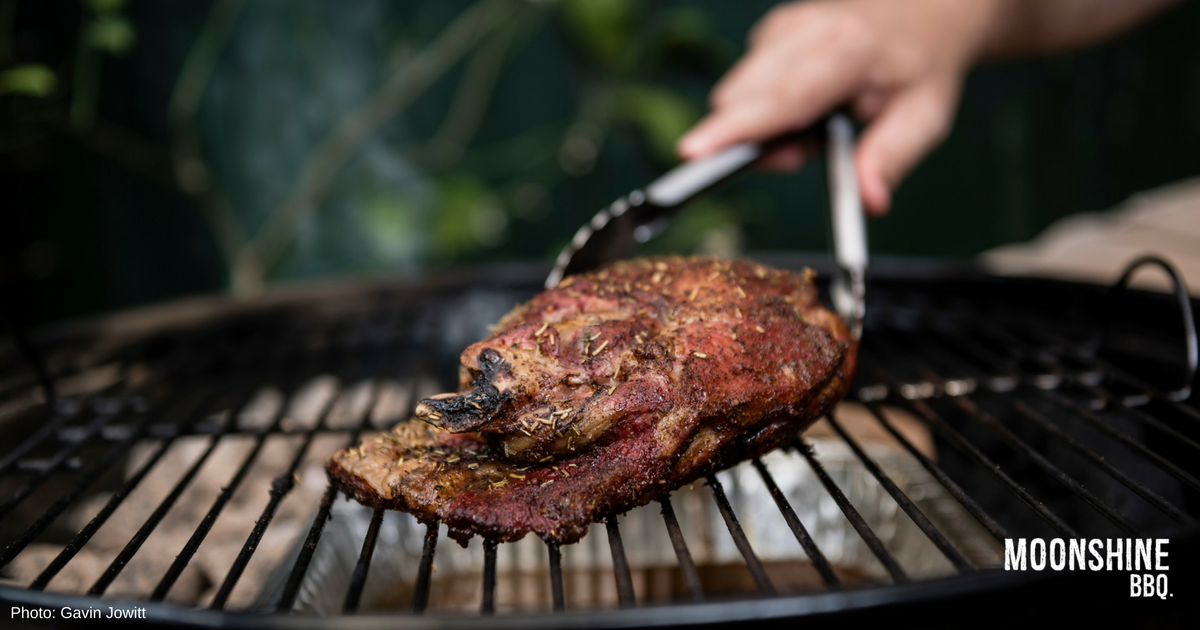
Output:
(643, 214)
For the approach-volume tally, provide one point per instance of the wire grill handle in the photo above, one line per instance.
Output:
(1179, 287)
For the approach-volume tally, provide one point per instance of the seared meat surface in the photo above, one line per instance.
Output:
(603, 393)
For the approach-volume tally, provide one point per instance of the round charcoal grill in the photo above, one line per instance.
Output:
(1053, 410)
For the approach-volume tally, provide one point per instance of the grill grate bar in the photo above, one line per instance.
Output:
(948, 433)
(488, 605)
(929, 529)
(1145, 418)
(287, 600)
(687, 566)
(761, 580)
(179, 363)
(46, 430)
(85, 481)
(1109, 513)
(135, 543)
(819, 561)
(1148, 393)
(997, 531)
(359, 578)
(284, 484)
(242, 398)
(33, 483)
(280, 487)
(556, 579)
(856, 520)
(201, 532)
(1124, 438)
(210, 518)
(1146, 493)
(421, 590)
(625, 596)
(118, 496)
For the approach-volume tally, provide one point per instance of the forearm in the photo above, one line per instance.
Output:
(1020, 27)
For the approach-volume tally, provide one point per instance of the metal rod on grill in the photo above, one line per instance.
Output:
(1141, 489)
(1092, 456)
(856, 520)
(687, 567)
(956, 491)
(421, 589)
(296, 578)
(33, 483)
(118, 496)
(61, 414)
(210, 518)
(757, 572)
(975, 413)
(948, 433)
(935, 536)
(206, 523)
(284, 483)
(241, 399)
(135, 543)
(820, 563)
(84, 481)
(359, 577)
(1141, 416)
(290, 589)
(280, 487)
(488, 606)
(556, 580)
(625, 595)
(1124, 438)
(181, 361)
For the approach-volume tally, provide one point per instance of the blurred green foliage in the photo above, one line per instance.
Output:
(30, 79)
(165, 148)
(112, 34)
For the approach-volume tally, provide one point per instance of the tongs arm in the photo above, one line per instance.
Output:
(644, 213)
(848, 289)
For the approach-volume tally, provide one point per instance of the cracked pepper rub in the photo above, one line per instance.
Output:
(607, 391)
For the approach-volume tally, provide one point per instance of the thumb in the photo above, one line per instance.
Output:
(911, 124)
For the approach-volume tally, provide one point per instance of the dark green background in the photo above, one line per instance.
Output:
(95, 218)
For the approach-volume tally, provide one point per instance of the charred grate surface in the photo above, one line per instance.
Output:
(1056, 411)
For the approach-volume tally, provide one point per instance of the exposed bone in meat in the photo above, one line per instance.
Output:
(605, 392)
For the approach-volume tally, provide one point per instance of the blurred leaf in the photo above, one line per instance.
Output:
(392, 219)
(32, 80)
(113, 34)
(106, 6)
(685, 26)
(602, 26)
(469, 216)
(661, 115)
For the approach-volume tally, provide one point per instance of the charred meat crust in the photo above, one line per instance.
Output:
(603, 393)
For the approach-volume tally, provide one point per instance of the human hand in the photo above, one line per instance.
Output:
(898, 64)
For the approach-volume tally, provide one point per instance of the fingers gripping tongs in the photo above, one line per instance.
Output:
(641, 215)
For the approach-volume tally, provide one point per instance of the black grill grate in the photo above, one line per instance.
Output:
(1039, 430)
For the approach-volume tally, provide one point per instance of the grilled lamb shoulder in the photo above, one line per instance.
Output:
(603, 393)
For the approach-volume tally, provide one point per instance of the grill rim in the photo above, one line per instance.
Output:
(925, 591)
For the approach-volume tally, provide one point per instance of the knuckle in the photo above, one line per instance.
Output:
(780, 19)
